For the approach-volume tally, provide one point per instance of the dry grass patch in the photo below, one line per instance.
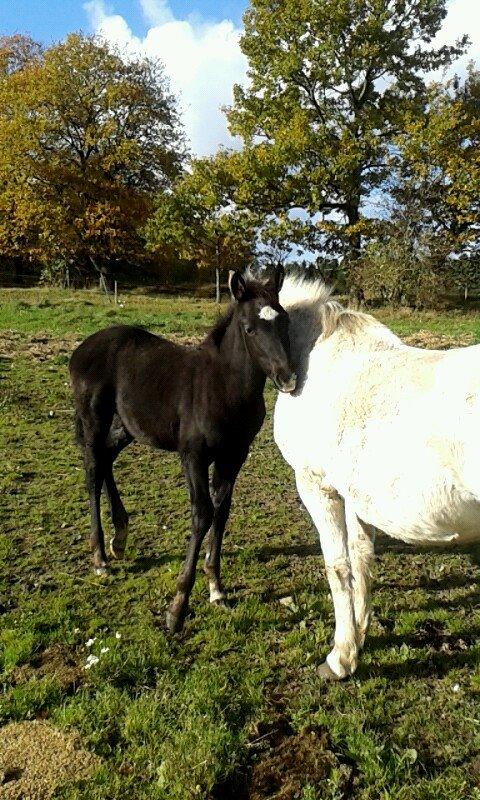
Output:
(438, 341)
(36, 759)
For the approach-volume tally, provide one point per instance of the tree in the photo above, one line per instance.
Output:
(330, 84)
(86, 140)
(17, 51)
(201, 223)
(436, 172)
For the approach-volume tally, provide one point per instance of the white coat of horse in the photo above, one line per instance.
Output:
(380, 435)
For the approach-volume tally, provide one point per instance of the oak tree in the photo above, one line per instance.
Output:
(330, 83)
(86, 139)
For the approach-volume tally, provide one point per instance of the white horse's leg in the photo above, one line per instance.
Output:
(361, 540)
(327, 510)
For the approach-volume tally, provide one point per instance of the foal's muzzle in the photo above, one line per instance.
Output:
(285, 383)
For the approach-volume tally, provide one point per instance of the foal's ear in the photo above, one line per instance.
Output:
(276, 282)
(279, 278)
(236, 285)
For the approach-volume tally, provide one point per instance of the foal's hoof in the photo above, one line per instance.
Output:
(116, 550)
(326, 673)
(174, 622)
(101, 571)
(220, 602)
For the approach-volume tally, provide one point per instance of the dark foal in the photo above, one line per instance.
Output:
(204, 402)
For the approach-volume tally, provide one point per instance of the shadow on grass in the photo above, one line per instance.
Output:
(455, 642)
(144, 564)
(301, 550)
(435, 665)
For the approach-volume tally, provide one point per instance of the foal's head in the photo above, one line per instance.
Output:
(264, 326)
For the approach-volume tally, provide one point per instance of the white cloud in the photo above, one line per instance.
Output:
(463, 17)
(203, 61)
(156, 12)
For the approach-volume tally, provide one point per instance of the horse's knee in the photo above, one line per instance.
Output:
(339, 575)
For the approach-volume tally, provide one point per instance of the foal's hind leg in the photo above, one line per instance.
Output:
(196, 473)
(223, 481)
(118, 439)
(118, 515)
(94, 418)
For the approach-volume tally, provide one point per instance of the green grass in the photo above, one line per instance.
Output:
(30, 311)
(182, 717)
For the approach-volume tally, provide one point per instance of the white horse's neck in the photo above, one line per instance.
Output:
(354, 331)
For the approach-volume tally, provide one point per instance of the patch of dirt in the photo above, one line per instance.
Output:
(283, 763)
(56, 662)
(36, 759)
(39, 347)
(42, 346)
(438, 341)
(432, 635)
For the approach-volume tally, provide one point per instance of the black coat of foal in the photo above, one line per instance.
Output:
(204, 402)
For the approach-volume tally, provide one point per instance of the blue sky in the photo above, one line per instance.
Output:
(50, 21)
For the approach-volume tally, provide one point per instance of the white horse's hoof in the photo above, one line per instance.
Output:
(326, 673)
(220, 602)
(118, 543)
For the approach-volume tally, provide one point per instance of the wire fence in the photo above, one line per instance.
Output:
(109, 287)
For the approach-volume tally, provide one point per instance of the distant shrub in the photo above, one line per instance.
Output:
(403, 269)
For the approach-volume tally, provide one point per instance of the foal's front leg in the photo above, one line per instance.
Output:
(223, 481)
(327, 510)
(196, 473)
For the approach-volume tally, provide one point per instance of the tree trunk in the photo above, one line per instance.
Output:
(354, 251)
(217, 272)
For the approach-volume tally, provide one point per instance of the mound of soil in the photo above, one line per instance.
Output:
(36, 759)
(283, 763)
(42, 346)
(39, 347)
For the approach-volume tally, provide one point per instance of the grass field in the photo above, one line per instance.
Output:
(232, 707)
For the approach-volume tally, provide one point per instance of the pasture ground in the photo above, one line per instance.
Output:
(231, 708)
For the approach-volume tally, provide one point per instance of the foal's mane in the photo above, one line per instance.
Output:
(215, 335)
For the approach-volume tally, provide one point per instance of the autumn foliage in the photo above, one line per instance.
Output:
(350, 160)
(87, 140)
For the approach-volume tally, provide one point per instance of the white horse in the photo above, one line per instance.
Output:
(381, 436)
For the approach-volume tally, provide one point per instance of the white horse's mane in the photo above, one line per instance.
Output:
(315, 314)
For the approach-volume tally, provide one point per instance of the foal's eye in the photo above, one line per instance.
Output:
(249, 330)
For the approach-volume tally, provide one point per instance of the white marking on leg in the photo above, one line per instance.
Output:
(327, 510)
(268, 313)
(215, 593)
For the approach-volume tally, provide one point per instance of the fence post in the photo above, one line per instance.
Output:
(103, 284)
(115, 292)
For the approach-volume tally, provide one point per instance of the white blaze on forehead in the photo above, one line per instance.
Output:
(268, 313)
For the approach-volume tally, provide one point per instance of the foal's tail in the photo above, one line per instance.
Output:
(79, 432)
